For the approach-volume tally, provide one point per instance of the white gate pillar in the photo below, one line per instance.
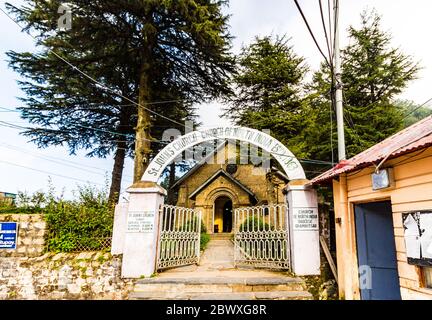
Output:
(119, 228)
(304, 233)
(141, 230)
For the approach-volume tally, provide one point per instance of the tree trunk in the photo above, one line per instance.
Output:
(172, 176)
(117, 172)
(143, 138)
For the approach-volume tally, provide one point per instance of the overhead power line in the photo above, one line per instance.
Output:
(105, 87)
(49, 173)
(418, 107)
(57, 158)
(8, 110)
(14, 126)
(155, 102)
(60, 162)
(325, 33)
(311, 33)
(101, 85)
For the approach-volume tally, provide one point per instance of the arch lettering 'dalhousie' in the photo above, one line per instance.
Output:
(287, 160)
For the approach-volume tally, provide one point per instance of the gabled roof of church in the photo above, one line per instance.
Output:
(217, 174)
(198, 165)
(204, 161)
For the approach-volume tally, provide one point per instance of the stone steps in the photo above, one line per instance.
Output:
(221, 236)
(221, 288)
(255, 295)
(216, 278)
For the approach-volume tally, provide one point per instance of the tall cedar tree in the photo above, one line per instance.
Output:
(373, 74)
(147, 51)
(267, 88)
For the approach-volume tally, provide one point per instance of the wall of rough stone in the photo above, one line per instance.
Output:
(86, 275)
(31, 232)
(29, 273)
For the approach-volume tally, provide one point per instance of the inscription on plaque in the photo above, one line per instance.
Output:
(305, 219)
(140, 221)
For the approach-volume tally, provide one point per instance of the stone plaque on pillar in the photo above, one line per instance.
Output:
(303, 216)
(305, 219)
(141, 221)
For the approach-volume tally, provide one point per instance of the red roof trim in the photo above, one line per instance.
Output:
(417, 136)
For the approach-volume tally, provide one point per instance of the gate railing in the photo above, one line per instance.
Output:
(179, 237)
(261, 237)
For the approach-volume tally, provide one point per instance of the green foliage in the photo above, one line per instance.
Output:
(189, 224)
(146, 51)
(373, 74)
(203, 227)
(267, 89)
(204, 240)
(270, 93)
(254, 223)
(412, 112)
(82, 224)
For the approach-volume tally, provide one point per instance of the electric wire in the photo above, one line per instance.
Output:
(325, 33)
(101, 85)
(156, 102)
(418, 107)
(56, 158)
(311, 32)
(2, 145)
(50, 173)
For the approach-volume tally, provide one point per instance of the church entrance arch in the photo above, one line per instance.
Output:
(289, 163)
(223, 215)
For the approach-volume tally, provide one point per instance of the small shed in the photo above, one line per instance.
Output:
(383, 217)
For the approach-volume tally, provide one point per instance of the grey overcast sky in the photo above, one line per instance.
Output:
(409, 22)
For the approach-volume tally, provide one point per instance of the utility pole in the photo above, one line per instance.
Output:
(338, 83)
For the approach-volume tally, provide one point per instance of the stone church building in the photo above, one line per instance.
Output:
(219, 183)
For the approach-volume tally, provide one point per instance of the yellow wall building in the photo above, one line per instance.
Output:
(369, 217)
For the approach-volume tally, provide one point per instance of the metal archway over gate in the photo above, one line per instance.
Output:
(262, 237)
(179, 237)
(289, 163)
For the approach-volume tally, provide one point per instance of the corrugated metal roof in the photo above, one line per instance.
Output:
(413, 138)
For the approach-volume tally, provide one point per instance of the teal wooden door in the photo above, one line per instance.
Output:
(376, 251)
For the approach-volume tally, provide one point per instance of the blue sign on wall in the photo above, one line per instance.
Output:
(8, 235)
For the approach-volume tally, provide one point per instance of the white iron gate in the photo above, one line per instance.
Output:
(261, 237)
(179, 237)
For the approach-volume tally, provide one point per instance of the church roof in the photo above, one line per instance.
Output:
(207, 157)
(223, 173)
(198, 165)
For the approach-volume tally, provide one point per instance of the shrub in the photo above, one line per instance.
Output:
(204, 240)
(72, 225)
(82, 224)
(254, 223)
(187, 224)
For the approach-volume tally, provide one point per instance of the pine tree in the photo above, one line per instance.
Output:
(146, 51)
(267, 89)
(373, 74)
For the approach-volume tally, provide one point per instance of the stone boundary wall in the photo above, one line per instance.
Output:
(86, 275)
(29, 273)
(31, 233)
